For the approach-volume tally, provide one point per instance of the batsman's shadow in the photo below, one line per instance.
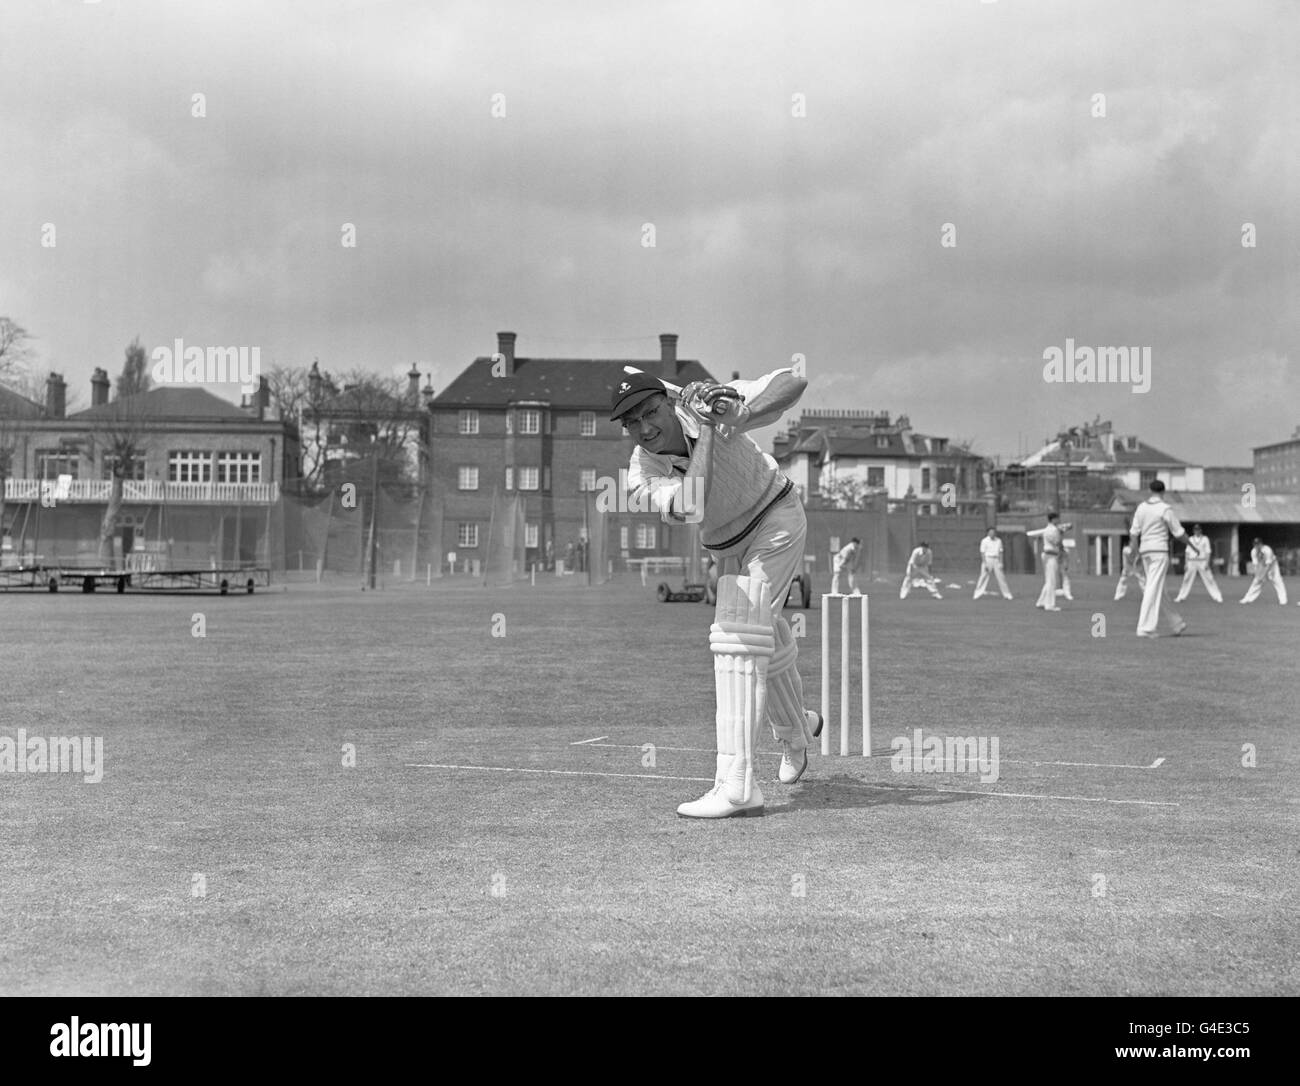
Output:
(843, 791)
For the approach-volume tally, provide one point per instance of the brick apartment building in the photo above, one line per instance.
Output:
(1277, 466)
(539, 427)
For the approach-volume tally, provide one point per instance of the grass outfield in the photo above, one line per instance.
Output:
(223, 759)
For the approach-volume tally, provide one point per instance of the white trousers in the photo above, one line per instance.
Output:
(1189, 579)
(919, 580)
(1047, 597)
(835, 581)
(1156, 567)
(994, 566)
(1257, 586)
(774, 553)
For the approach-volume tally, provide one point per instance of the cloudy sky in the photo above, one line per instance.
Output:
(782, 224)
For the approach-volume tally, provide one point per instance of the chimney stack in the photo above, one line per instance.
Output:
(99, 385)
(413, 384)
(263, 395)
(506, 348)
(668, 353)
(56, 396)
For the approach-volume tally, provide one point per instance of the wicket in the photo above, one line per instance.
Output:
(844, 675)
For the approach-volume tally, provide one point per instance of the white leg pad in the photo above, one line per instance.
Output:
(743, 643)
(785, 689)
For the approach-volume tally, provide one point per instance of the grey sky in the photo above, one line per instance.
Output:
(775, 234)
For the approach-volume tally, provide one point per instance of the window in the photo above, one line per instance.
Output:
(1145, 479)
(530, 535)
(940, 444)
(882, 441)
(587, 479)
(622, 538)
(947, 475)
(528, 478)
(875, 476)
(925, 480)
(466, 536)
(510, 478)
(467, 477)
(189, 467)
(587, 423)
(530, 421)
(136, 473)
(239, 467)
(645, 537)
(51, 463)
(469, 422)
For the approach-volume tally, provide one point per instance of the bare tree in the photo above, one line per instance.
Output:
(15, 347)
(371, 416)
(15, 410)
(8, 441)
(289, 389)
(32, 383)
(119, 433)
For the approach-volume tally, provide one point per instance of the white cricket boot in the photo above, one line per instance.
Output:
(715, 804)
(794, 760)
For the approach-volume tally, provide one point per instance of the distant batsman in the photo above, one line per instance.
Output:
(694, 461)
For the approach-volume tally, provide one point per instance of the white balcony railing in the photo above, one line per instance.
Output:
(148, 490)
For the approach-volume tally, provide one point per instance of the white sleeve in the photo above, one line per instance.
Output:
(661, 493)
(752, 389)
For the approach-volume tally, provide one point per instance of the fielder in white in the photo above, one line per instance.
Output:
(846, 560)
(693, 464)
(1265, 570)
(1154, 524)
(1053, 535)
(918, 573)
(1129, 570)
(1067, 545)
(991, 562)
(1198, 563)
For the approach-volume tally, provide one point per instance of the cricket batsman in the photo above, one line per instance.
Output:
(693, 460)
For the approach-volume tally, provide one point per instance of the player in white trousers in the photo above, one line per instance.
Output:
(846, 560)
(1154, 524)
(1265, 570)
(918, 573)
(1198, 563)
(991, 563)
(1129, 569)
(753, 521)
(1067, 545)
(1053, 535)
